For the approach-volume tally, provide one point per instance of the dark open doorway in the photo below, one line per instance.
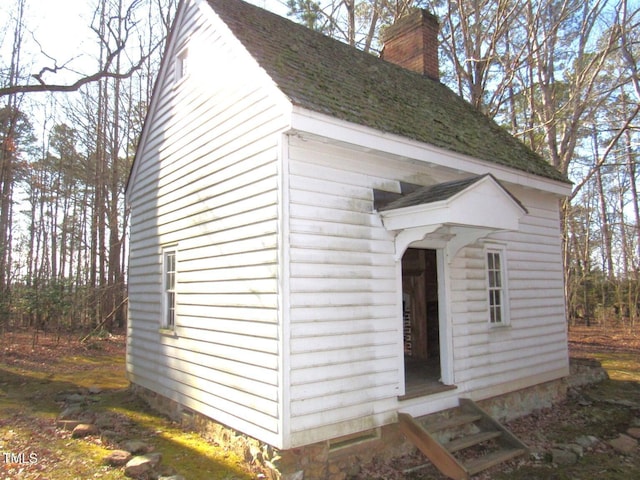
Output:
(421, 322)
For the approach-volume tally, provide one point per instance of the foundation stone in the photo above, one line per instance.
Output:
(339, 459)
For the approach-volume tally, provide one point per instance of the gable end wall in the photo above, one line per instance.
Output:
(207, 183)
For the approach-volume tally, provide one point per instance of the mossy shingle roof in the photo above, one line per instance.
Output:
(440, 192)
(327, 76)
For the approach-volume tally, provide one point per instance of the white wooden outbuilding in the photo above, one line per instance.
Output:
(321, 239)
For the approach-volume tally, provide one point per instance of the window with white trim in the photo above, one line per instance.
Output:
(182, 64)
(169, 287)
(498, 313)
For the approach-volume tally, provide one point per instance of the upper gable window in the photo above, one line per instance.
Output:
(182, 64)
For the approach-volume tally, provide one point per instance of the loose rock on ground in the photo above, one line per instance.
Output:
(135, 456)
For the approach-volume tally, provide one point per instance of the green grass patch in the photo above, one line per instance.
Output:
(188, 452)
(621, 366)
(30, 390)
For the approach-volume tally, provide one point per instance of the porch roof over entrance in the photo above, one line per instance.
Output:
(468, 209)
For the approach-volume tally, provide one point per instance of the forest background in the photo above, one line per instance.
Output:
(561, 75)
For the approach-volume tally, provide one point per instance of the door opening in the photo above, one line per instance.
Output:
(421, 325)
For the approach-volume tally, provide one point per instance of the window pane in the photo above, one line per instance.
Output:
(169, 290)
(495, 287)
(171, 304)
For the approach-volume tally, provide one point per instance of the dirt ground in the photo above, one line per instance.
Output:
(593, 341)
(603, 411)
(34, 371)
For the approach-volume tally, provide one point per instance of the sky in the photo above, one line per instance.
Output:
(58, 32)
(58, 28)
(61, 29)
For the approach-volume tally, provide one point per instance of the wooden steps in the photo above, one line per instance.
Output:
(469, 441)
(492, 459)
(464, 442)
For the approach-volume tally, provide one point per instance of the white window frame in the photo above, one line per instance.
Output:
(497, 286)
(169, 287)
(182, 64)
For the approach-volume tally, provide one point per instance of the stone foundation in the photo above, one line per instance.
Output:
(585, 371)
(340, 458)
(516, 404)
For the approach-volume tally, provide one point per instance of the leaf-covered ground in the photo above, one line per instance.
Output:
(36, 375)
(35, 372)
(604, 411)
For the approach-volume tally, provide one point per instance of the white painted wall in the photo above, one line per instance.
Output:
(533, 348)
(207, 181)
(346, 352)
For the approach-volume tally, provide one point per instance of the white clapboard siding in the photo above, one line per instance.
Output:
(256, 380)
(184, 387)
(235, 355)
(343, 301)
(207, 184)
(343, 294)
(337, 357)
(477, 374)
(237, 326)
(321, 328)
(351, 392)
(476, 341)
(535, 340)
(370, 410)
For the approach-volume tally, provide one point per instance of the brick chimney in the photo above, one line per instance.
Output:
(412, 43)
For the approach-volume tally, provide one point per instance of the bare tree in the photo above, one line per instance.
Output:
(114, 40)
(358, 24)
(555, 72)
(73, 185)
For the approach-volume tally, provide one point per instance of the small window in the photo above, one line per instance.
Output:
(169, 267)
(182, 64)
(498, 314)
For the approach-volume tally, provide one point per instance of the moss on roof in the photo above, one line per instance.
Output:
(440, 192)
(327, 76)
(432, 193)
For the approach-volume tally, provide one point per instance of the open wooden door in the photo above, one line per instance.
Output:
(420, 320)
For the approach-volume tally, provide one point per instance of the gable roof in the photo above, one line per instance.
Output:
(441, 192)
(327, 76)
(478, 204)
(431, 193)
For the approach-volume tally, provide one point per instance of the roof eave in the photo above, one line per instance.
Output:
(305, 121)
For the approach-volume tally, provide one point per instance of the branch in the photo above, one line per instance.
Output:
(43, 87)
(103, 72)
(604, 156)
